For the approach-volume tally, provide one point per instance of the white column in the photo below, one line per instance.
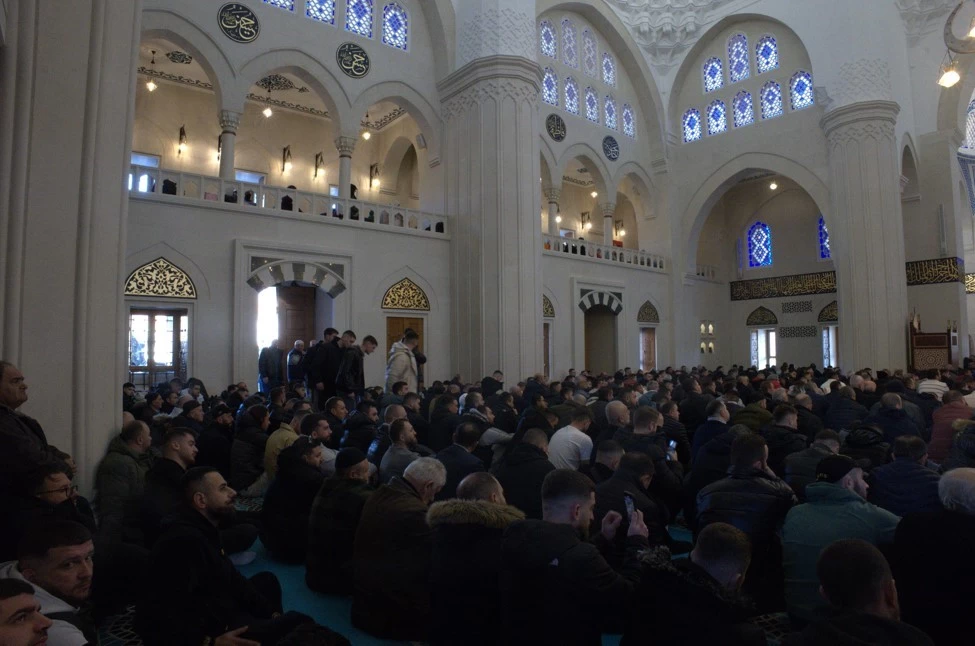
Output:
(553, 195)
(229, 122)
(609, 210)
(345, 146)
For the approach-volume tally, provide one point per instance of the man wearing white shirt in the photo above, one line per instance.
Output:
(571, 447)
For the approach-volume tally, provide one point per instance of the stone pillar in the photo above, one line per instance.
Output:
(345, 146)
(553, 195)
(609, 210)
(869, 244)
(229, 122)
(62, 263)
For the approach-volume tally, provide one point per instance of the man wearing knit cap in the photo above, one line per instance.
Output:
(835, 509)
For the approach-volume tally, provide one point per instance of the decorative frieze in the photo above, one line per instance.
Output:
(798, 332)
(796, 307)
(823, 282)
(935, 271)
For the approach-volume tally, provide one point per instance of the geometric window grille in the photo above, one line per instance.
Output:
(609, 69)
(396, 30)
(288, 5)
(548, 43)
(571, 96)
(744, 112)
(592, 105)
(160, 278)
(648, 314)
(738, 68)
(801, 90)
(717, 118)
(713, 75)
(759, 245)
(550, 87)
(970, 125)
(826, 348)
(692, 125)
(824, 253)
(766, 54)
(570, 53)
(321, 10)
(629, 126)
(406, 295)
(589, 53)
(358, 17)
(771, 100)
(610, 113)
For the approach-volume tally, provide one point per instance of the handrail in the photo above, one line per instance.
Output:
(584, 249)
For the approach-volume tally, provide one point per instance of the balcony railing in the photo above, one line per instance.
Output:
(584, 249)
(146, 181)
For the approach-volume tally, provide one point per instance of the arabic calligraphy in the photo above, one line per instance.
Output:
(353, 60)
(555, 126)
(238, 23)
(611, 149)
(797, 285)
(933, 272)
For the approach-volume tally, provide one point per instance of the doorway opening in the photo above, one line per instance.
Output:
(396, 327)
(547, 348)
(648, 348)
(600, 331)
(763, 352)
(830, 346)
(286, 314)
(158, 346)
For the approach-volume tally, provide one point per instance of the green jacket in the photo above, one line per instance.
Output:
(119, 485)
(831, 513)
(753, 416)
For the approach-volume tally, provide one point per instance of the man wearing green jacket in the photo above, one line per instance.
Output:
(835, 509)
(120, 482)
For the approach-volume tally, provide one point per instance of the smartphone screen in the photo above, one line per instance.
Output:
(672, 444)
(630, 507)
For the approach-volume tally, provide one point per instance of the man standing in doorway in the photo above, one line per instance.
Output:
(296, 368)
(269, 367)
(322, 364)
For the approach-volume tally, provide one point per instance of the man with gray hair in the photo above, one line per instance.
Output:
(893, 419)
(808, 423)
(933, 574)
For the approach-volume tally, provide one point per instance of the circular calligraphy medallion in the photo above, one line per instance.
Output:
(611, 149)
(238, 23)
(353, 60)
(556, 127)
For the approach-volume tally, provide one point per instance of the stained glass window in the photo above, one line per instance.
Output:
(550, 87)
(744, 112)
(692, 125)
(771, 100)
(738, 67)
(824, 253)
(570, 51)
(970, 125)
(284, 4)
(589, 53)
(713, 75)
(766, 54)
(717, 118)
(547, 40)
(358, 17)
(396, 28)
(801, 90)
(592, 105)
(609, 69)
(610, 109)
(571, 96)
(629, 125)
(759, 245)
(321, 10)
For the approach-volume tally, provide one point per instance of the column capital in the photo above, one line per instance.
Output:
(553, 195)
(608, 209)
(490, 79)
(345, 146)
(229, 121)
(860, 120)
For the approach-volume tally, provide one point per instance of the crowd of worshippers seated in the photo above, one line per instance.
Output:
(484, 513)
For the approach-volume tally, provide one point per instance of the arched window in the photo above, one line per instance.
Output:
(592, 105)
(629, 124)
(358, 17)
(321, 10)
(692, 125)
(766, 54)
(609, 69)
(717, 118)
(738, 66)
(288, 5)
(970, 125)
(589, 54)
(713, 75)
(824, 253)
(570, 52)
(396, 26)
(801, 90)
(610, 109)
(759, 245)
(571, 96)
(550, 87)
(547, 39)
(744, 112)
(771, 100)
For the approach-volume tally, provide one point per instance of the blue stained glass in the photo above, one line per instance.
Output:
(801, 90)
(692, 125)
(358, 17)
(738, 67)
(592, 105)
(571, 96)
(824, 253)
(570, 53)
(550, 87)
(396, 30)
(589, 53)
(547, 42)
(744, 112)
(766, 54)
(629, 126)
(713, 75)
(970, 125)
(759, 245)
(288, 5)
(610, 113)
(771, 100)
(321, 10)
(609, 70)
(717, 118)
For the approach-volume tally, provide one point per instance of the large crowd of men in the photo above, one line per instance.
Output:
(542, 512)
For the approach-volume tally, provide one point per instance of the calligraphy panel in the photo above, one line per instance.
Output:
(970, 283)
(353, 60)
(935, 271)
(762, 316)
(648, 314)
(238, 23)
(830, 313)
(823, 282)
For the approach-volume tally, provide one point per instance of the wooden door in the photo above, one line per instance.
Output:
(396, 326)
(600, 333)
(546, 348)
(648, 348)
(296, 318)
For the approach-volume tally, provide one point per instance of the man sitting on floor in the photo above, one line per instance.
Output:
(21, 621)
(287, 504)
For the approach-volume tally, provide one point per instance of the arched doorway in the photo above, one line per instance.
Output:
(600, 322)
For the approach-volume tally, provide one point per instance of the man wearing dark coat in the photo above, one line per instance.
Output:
(269, 367)
(523, 470)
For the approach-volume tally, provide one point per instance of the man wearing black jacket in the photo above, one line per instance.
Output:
(321, 366)
(523, 470)
(667, 485)
(350, 379)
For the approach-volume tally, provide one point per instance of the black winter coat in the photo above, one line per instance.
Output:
(163, 497)
(215, 444)
(894, 422)
(676, 431)
(359, 433)
(459, 463)
(667, 483)
(800, 468)
(23, 446)
(808, 424)
(247, 454)
(782, 442)
(857, 629)
(706, 432)
(693, 407)
(287, 505)
(866, 443)
(962, 452)
(844, 414)
(711, 465)
(904, 486)
(17, 513)
(521, 475)
(332, 524)
(442, 425)
(610, 497)
(350, 377)
(322, 366)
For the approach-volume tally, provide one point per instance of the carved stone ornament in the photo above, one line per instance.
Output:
(238, 23)
(352, 60)
(160, 278)
(548, 310)
(489, 90)
(507, 31)
(406, 295)
(611, 148)
(555, 125)
(648, 314)
(179, 57)
(762, 316)
(830, 313)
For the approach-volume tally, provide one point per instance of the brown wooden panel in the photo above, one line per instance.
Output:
(296, 317)
(395, 327)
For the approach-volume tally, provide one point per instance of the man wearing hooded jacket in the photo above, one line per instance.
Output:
(401, 364)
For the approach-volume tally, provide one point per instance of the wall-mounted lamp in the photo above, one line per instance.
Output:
(268, 111)
(558, 219)
(182, 139)
(374, 177)
(286, 159)
(618, 229)
(586, 220)
(949, 71)
(773, 186)
(319, 163)
(594, 195)
(150, 84)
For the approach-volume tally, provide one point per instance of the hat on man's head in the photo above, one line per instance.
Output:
(834, 467)
(221, 409)
(348, 457)
(190, 405)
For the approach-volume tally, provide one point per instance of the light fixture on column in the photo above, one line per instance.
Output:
(268, 111)
(319, 163)
(586, 220)
(182, 140)
(618, 229)
(558, 219)
(949, 72)
(150, 84)
(366, 135)
(286, 159)
(374, 177)
(773, 186)
(594, 195)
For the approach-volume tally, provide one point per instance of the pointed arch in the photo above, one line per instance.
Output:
(160, 279)
(426, 117)
(648, 313)
(548, 310)
(147, 255)
(593, 160)
(592, 298)
(762, 316)
(830, 313)
(406, 295)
